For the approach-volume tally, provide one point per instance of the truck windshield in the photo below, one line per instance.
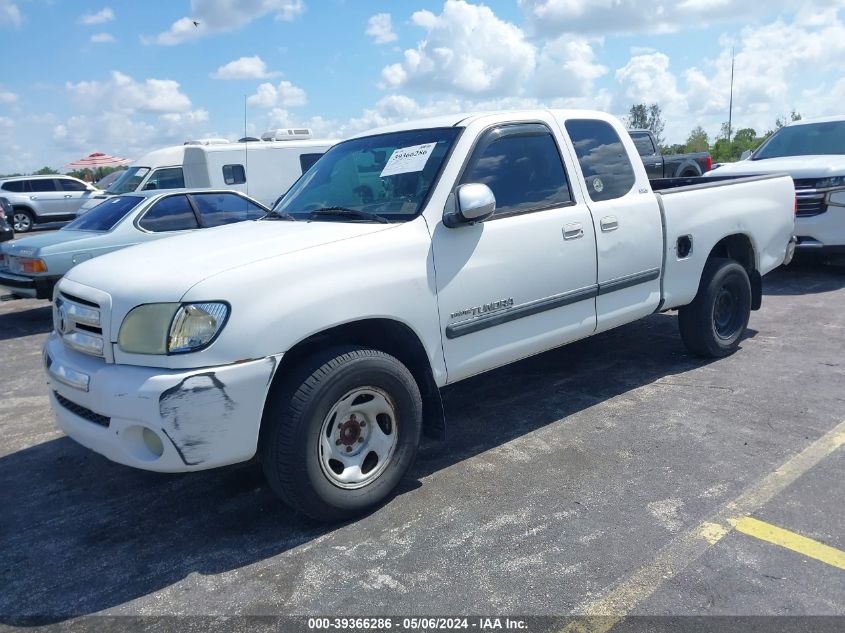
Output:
(807, 139)
(129, 181)
(105, 216)
(370, 179)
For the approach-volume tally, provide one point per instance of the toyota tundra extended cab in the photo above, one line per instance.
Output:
(812, 151)
(404, 260)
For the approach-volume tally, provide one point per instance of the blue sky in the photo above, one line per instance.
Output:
(128, 77)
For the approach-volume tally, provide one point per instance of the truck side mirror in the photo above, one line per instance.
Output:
(474, 202)
(745, 155)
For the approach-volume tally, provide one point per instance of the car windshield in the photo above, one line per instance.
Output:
(129, 181)
(105, 216)
(807, 139)
(371, 179)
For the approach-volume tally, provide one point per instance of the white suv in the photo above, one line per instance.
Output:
(37, 199)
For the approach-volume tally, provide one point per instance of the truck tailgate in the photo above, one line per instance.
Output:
(761, 208)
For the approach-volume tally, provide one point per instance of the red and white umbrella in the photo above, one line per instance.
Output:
(98, 159)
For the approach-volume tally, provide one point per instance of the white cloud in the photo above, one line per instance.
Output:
(6, 122)
(244, 68)
(7, 96)
(467, 50)
(380, 28)
(100, 17)
(102, 38)
(567, 67)
(10, 14)
(219, 16)
(122, 93)
(284, 95)
(552, 17)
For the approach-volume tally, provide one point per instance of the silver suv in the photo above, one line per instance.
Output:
(37, 199)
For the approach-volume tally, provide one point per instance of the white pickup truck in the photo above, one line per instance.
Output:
(404, 260)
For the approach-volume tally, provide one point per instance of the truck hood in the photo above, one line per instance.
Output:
(36, 245)
(164, 270)
(795, 166)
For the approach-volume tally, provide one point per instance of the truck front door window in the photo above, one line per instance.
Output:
(522, 166)
(607, 170)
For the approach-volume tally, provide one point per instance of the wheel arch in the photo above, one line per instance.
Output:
(687, 168)
(740, 248)
(389, 336)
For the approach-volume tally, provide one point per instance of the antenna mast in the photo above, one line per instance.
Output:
(246, 151)
(731, 104)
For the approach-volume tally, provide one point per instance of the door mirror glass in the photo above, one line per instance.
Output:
(475, 202)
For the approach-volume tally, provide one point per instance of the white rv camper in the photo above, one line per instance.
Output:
(262, 169)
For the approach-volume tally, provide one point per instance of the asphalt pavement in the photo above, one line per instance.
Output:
(606, 478)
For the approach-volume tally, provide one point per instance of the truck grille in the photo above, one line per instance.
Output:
(82, 412)
(810, 200)
(79, 324)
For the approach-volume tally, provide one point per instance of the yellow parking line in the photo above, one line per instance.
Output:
(602, 614)
(790, 540)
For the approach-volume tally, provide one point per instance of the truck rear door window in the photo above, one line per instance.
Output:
(522, 166)
(644, 145)
(216, 209)
(607, 169)
(173, 213)
(234, 174)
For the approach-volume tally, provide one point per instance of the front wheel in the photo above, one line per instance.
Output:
(713, 324)
(341, 433)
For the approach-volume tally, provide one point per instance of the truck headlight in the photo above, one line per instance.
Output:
(195, 325)
(145, 328)
(171, 328)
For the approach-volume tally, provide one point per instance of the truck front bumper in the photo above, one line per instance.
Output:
(159, 419)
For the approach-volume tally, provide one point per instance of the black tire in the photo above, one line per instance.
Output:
(713, 324)
(22, 220)
(298, 409)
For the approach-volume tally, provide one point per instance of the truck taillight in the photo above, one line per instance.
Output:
(709, 163)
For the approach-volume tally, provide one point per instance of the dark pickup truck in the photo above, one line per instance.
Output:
(672, 166)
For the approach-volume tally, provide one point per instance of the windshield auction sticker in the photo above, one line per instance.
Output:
(405, 160)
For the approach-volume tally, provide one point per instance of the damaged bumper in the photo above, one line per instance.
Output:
(159, 419)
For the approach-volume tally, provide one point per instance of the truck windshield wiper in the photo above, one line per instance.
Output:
(279, 215)
(350, 213)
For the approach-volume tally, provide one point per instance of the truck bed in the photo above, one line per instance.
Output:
(705, 210)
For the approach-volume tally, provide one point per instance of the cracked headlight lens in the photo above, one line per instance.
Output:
(195, 325)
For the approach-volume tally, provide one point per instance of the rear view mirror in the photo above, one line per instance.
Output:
(475, 202)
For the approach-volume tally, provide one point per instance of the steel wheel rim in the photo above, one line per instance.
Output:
(21, 222)
(358, 438)
(726, 312)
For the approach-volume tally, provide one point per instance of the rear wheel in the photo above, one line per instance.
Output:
(22, 220)
(713, 324)
(341, 433)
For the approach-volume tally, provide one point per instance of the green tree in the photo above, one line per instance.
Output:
(697, 141)
(45, 171)
(647, 117)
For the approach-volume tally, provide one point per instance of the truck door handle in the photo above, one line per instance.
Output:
(33, 197)
(573, 231)
(609, 223)
(657, 164)
(67, 195)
